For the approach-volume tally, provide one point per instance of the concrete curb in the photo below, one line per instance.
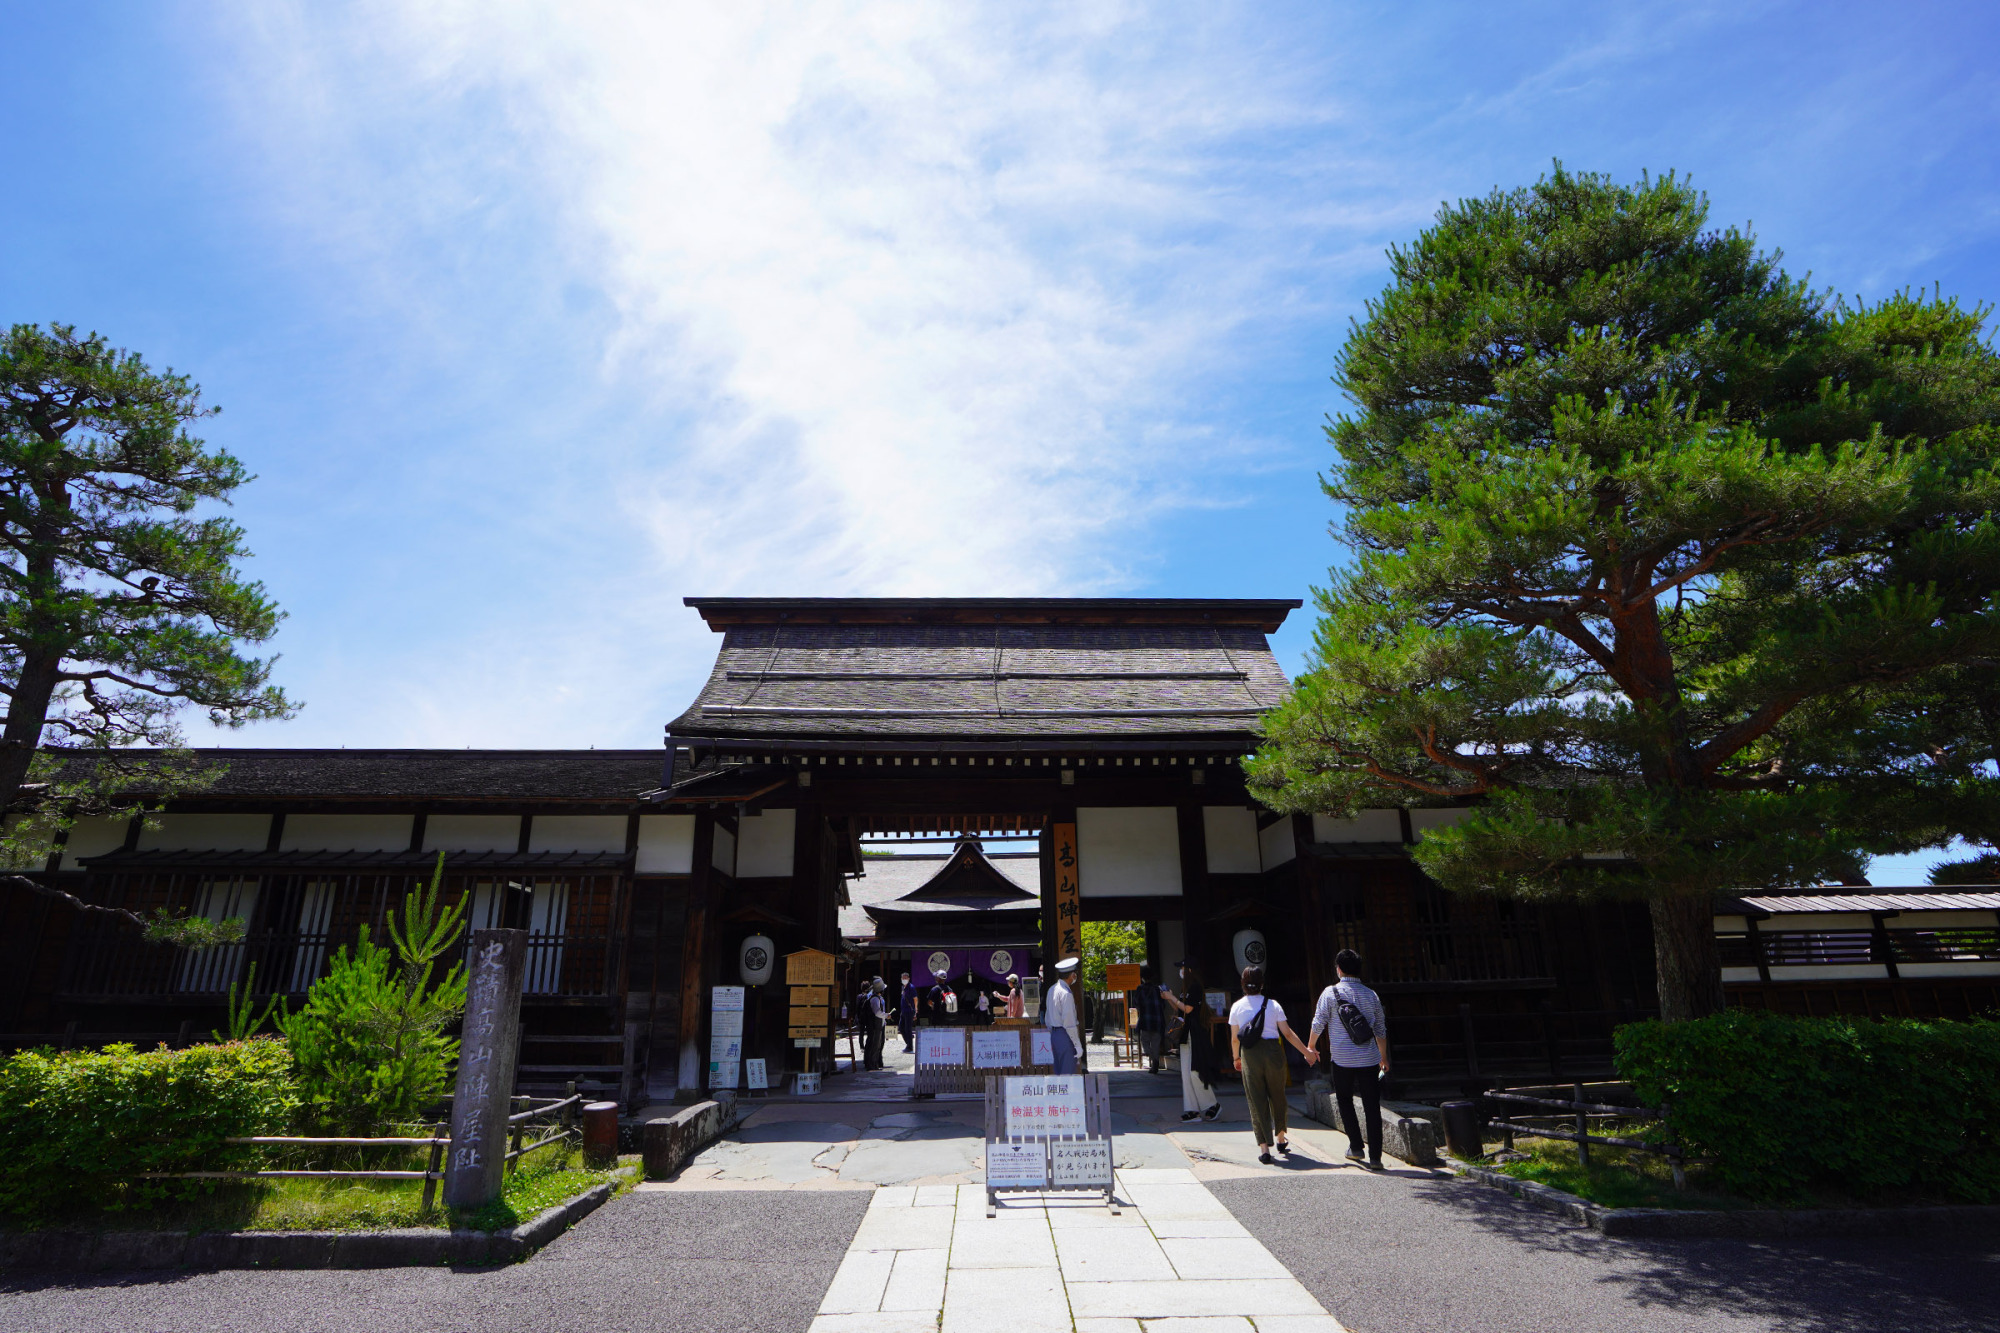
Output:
(107, 1251)
(667, 1142)
(1743, 1223)
(1410, 1133)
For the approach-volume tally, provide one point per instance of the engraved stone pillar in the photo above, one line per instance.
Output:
(486, 1055)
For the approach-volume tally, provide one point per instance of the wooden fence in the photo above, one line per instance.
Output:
(1579, 1112)
(438, 1141)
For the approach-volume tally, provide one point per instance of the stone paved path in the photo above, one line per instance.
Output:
(927, 1259)
(849, 1216)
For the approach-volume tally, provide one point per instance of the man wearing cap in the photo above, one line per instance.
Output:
(1059, 1012)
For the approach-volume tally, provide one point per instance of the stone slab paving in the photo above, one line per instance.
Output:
(1172, 1260)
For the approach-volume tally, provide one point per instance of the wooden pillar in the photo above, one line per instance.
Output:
(694, 951)
(811, 899)
(1197, 903)
(489, 1045)
(1311, 879)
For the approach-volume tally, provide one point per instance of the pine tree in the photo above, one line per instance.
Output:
(1639, 525)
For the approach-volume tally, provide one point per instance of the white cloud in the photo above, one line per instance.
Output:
(918, 292)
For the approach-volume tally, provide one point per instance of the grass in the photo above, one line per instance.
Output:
(552, 1176)
(1617, 1178)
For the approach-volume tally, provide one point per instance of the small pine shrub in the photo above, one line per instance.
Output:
(78, 1126)
(1865, 1107)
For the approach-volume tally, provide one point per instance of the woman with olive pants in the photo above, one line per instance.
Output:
(1256, 1027)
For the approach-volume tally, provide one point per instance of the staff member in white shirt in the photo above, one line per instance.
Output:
(1059, 1012)
(1256, 1022)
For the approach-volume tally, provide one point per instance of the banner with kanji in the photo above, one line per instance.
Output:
(1068, 895)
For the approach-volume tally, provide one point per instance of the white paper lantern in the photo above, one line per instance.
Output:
(756, 959)
(1249, 949)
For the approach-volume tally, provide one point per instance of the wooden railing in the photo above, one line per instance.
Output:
(1578, 1113)
(438, 1141)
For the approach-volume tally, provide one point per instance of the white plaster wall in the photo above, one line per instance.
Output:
(472, 833)
(1231, 834)
(1276, 844)
(1830, 972)
(346, 833)
(765, 843)
(1817, 921)
(1367, 826)
(1941, 969)
(206, 833)
(94, 835)
(1423, 821)
(722, 855)
(577, 833)
(666, 845)
(1128, 851)
(1975, 919)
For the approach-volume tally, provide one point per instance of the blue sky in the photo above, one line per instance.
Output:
(533, 319)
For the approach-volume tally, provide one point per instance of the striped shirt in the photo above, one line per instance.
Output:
(1347, 1053)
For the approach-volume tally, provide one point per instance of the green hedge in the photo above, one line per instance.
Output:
(1788, 1106)
(75, 1126)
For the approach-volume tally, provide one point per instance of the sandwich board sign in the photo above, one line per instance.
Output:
(1047, 1132)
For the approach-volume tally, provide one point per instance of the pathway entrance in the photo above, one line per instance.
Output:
(928, 1258)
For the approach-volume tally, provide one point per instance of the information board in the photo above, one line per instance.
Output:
(754, 1077)
(1044, 1046)
(1121, 976)
(728, 1023)
(1048, 1132)
(1085, 1162)
(1016, 1166)
(809, 967)
(1042, 1105)
(941, 1046)
(997, 1050)
(727, 999)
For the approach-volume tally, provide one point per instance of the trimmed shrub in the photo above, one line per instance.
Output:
(1786, 1106)
(75, 1126)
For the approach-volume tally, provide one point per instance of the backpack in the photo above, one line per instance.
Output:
(1359, 1030)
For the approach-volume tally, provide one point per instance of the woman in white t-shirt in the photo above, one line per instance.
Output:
(1256, 1026)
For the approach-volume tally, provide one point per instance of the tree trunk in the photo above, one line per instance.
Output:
(27, 714)
(1685, 958)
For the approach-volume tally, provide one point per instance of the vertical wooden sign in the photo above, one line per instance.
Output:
(1069, 896)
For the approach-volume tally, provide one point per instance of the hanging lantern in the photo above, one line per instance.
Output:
(1248, 947)
(756, 959)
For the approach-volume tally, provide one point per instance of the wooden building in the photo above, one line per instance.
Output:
(1105, 732)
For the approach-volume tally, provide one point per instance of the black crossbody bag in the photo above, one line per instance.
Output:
(1253, 1033)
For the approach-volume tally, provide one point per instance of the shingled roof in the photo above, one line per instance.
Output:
(537, 775)
(988, 669)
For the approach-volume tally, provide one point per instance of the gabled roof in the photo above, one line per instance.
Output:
(1056, 670)
(968, 879)
(886, 883)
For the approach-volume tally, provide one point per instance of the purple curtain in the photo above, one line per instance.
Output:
(957, 962)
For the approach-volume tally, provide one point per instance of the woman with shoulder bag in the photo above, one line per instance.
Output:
(1197, 1045)
(1256, 1024)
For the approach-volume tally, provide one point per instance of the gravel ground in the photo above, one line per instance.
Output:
(1402, 1255)
(749, 1261)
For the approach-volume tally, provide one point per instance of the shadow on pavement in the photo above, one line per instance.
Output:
(1429, 1254)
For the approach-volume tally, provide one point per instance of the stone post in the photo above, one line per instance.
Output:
(486, 1057)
